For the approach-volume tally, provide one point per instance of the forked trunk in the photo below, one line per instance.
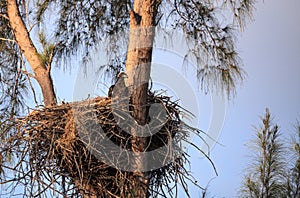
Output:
(142, 22)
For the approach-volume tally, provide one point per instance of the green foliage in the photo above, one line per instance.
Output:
(82, 24)
(219, 67)
(293, 183)
(271, 173)
(48, 49)
(266, 176)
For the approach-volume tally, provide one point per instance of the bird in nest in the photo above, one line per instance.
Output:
(120, 86)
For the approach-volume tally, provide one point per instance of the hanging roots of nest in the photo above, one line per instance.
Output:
(70, 149)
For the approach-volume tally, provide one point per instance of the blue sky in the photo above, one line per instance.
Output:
(270, 50)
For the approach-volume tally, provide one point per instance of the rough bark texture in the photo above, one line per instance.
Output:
(41, 72)
(138, 65)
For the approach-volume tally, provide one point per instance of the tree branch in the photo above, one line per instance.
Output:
(2, 15)
(5, 39)
(27, 47)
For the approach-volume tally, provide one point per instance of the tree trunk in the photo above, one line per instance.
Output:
(41, 72)
(138, 65)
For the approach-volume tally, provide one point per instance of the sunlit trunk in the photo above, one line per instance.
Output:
(138, 65)
(41, 72)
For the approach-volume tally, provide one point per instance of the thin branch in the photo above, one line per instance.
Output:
(50, 60)
(206, 156)
(6, 39)
(27, 73)
(32, 89)
(27, 13)
(29, 81)
(32, 26)
(6, 17)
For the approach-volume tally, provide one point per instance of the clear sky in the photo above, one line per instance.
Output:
(270, 50)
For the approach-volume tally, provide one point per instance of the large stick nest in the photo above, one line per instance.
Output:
(57, 147)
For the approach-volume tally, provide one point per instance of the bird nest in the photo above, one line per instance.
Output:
(69, 149)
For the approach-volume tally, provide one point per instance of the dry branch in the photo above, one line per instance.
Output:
(55, 154)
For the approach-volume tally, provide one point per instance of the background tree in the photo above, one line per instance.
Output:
(28, 53)
(274, 170)
(293, 183)
(266, 174)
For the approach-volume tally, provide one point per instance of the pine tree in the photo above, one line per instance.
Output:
(266, 175)
(27, 55)
(293, 182)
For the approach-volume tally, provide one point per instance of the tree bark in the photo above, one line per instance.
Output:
(41, 72)
(138, 67)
